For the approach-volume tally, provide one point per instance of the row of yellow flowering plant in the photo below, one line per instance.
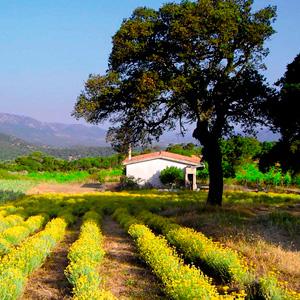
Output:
(180, 281)
(269, 288)
(16, 234)
(224, 262)
(10, 221)
(84, 256)
(9, 209)
(16, 266)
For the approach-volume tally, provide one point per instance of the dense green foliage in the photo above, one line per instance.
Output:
(40, 162)
(185, 149)
(244, 159)
(249, 174)
(284, 112)
(237, 151)
(172, 176)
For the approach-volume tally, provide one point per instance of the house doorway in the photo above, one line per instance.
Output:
(190, 178)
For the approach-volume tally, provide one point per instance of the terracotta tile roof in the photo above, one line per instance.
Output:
(194, 160)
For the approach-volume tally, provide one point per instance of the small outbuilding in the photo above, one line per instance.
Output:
(147, 167)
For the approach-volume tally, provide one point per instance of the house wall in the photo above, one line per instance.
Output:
(149, 171)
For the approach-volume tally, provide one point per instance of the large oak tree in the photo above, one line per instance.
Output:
(194, 62)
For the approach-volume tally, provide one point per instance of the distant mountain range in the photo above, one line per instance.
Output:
(51, 134)
(27, 134)
(66, 135)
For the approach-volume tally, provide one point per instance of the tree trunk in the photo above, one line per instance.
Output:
(213, 155)
(214, 160)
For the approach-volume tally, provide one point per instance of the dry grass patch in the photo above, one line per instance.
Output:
(266, 257)
(265, 246)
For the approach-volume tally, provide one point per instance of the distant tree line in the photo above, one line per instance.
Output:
(244, 159)
(39, 162)
(249, 161)
(11, 148)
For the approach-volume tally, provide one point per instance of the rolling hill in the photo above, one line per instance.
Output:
(12, 147)
(21, 135)
(51, 134)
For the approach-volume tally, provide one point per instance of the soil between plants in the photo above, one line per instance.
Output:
(49, 282)
(123, 273)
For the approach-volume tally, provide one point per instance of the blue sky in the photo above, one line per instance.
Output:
(48, 48)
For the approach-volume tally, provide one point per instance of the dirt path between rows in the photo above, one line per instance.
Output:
(68, 188)
(123, 272)
(49, 281)
(71, 188)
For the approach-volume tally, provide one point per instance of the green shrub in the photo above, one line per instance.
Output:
(273, 176)
(129, 183)
(297, 180)
(172, 176)
(203, 174)
(287, 179)
(249, 174)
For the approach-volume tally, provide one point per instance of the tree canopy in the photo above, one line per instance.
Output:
(194, 62)
(284, 113)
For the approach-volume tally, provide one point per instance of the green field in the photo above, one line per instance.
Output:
(59, 177)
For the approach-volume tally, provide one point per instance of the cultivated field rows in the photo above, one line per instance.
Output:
(186, 263)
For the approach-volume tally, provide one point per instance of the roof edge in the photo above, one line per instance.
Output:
(188, 162)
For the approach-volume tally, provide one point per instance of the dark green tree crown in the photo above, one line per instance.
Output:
(188, 62)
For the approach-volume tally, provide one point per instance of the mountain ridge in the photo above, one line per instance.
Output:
(60, 135)
(51, 134)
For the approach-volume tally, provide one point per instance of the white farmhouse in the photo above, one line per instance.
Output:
(147, 167)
